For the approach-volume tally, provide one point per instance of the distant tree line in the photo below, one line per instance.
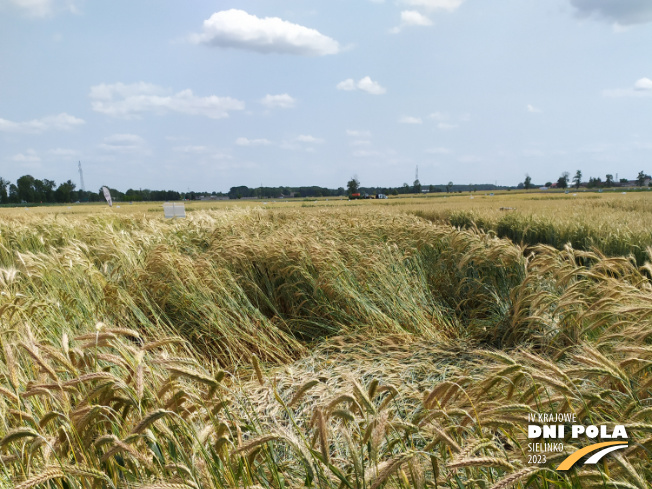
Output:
(564, 181)
(30, 190)
(244, 192)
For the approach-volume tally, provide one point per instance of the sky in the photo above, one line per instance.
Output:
(205, 95)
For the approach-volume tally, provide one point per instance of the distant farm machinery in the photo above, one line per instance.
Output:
(365, 195)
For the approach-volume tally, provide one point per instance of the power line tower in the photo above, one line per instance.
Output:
(81, 177)
(417, 184)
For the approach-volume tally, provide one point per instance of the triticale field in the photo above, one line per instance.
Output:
(329, 344)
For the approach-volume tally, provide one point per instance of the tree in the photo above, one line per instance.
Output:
(548, 184)
(577, 179)
(640, 179)
(43, 190)
(63, 193)
(594, 182)
(562, 182)
(417, 186)
(48, 189)
(449, 187)
(4, 196)
(25, 186)
(13, 194)
(528, 182)
(353, 185)
(609, 182)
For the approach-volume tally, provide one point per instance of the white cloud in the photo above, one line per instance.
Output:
(35, 8)
(411, 18)
(60, 122)
(190, 149)
(109, 91)
(366, 84)
(63, 152)
(532, 109)
(643, 84)
(406, 119)
(447, 121)
(221, 156)
(306, 138)
(360, 142)
(370, 86)
(123, 143)
(445, 126)
(202, 153)
(242, 141)
(439, 116)
(348, 84)
(622, 12)
(29, 156)
(282, 101)
(642, 88)
(303, 142)
(431, 5)
(238, 29)
(358, 134)
(131, 100)
(43, 8)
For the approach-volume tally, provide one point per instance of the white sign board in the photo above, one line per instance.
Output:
(173, 210)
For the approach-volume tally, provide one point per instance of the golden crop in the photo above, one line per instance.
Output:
(345, 344)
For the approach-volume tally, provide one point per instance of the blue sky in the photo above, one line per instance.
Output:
(211, 94)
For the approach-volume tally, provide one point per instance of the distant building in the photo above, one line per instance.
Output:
(634, 183)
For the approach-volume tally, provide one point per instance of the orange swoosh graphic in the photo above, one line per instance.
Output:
(575, 456)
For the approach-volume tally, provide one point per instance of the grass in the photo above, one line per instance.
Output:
(347, 345)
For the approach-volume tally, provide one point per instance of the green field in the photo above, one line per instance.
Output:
(335, 344)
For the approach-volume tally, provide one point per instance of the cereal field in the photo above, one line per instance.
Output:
(332, 344)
